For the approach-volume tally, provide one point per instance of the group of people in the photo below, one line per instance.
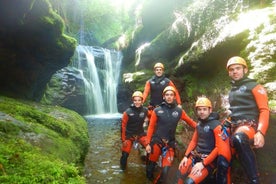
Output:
(214, 143)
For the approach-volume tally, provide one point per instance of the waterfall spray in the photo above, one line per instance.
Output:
(100, 69)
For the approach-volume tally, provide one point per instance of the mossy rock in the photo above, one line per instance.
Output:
(40, 143)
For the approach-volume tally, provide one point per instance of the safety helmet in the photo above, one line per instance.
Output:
(137, 93)
(236, 60)
(203, 102)
(169, 88)
(158, 65)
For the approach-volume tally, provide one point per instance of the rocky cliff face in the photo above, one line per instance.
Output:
(66, 88)
(197, 43)
(32, 47)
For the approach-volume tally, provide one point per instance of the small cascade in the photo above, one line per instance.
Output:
(100, 69)
(138, 53)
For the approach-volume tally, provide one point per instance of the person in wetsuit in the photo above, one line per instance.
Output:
(132, 129)
(155, 86)
(248, 120)
(161, 134)
(199, 160)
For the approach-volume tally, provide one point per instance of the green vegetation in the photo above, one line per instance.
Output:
(40, 144)
(93, 22)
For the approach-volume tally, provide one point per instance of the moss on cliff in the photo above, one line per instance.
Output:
(42, 144)
(33, 47)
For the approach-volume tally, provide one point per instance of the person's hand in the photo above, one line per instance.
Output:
(148, 148)
(179, 105)
(196, 170)
(183, 163)
(259, 140)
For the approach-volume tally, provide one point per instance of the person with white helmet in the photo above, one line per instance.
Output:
(161, 134)
(132, 130)
(249, 118)
(199, 161)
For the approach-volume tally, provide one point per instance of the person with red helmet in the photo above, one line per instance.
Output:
(161, 134)
(199, 160)
(155, 86)
(132, 130)
(249, 117)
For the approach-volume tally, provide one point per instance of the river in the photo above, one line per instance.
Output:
(102, 161)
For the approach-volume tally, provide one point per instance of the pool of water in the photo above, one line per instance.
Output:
(102, 161)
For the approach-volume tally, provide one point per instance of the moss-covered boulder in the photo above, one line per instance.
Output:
(40, 143)
(67, 89)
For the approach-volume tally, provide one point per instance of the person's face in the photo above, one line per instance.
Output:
(236, 71)
(169, 96)
(158, 72)
(137, 101)
(203, 112)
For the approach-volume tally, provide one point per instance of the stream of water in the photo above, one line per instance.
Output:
(102, 161)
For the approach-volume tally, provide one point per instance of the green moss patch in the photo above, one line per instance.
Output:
(40, 144)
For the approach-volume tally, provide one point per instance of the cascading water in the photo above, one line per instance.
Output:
(100, 69)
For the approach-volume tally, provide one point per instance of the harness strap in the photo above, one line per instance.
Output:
(233, 124)
(199, 155)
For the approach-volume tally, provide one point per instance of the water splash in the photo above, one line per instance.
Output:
(244, 22)
(180, 20)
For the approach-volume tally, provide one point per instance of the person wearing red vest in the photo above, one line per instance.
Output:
(161, 134)
(249, 117)
(132, 130)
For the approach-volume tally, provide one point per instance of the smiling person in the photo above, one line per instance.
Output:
(200, 157)
(249, 117)
(155, 86)
(132, 130)
(161, 134)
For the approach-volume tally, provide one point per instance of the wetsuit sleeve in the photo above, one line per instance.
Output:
(187, 119)
(177, 96)
(146, 91)
(261, 98)
(214, 153)
(124, 124)
(192, 144)
(151, 127)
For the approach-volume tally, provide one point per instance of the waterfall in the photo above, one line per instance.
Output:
(100, 69)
